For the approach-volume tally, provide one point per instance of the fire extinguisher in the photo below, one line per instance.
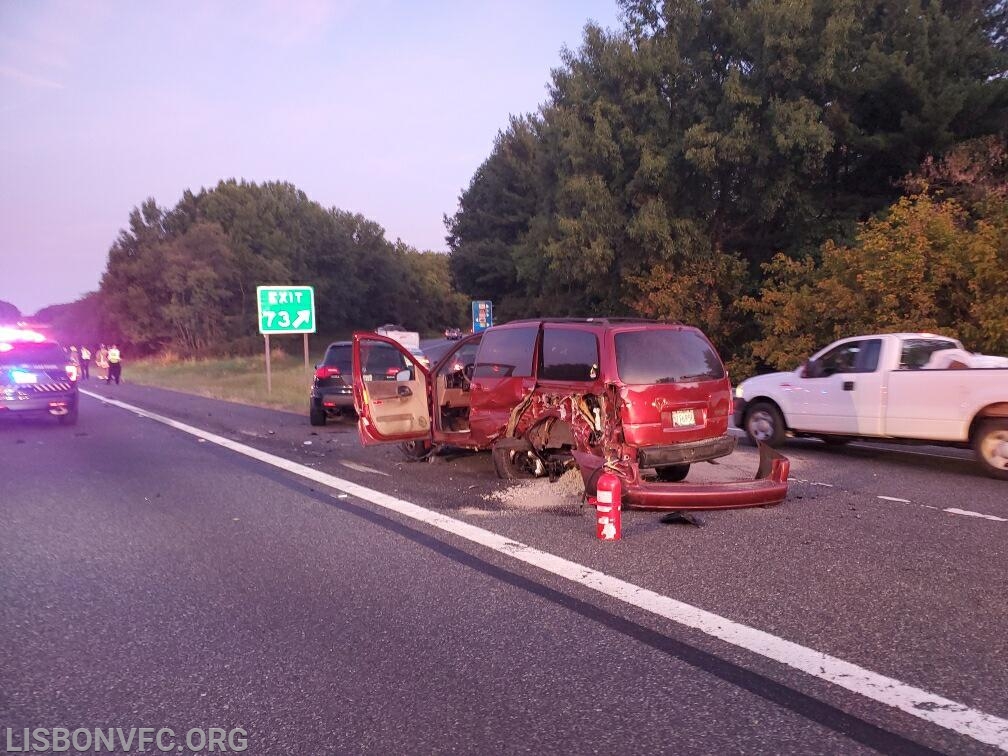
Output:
(608, 526)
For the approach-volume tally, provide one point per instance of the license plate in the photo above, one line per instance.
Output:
(368, 377)
(682, 418)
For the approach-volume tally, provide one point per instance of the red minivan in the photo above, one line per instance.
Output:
(640, 398)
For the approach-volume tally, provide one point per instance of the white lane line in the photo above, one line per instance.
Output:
(362, 468)
(893, 498)
(824, 485)
(968, 513)
(923, 704)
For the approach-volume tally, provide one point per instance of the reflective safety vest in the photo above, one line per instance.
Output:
(85, 353)
(113, 355)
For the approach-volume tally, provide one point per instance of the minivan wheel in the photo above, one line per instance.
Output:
(763, 423)
(672, 473)
(514, 458)
(316, 415)
(990, 444)
(416, 450)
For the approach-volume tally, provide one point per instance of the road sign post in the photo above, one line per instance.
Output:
(285, 310)
(482, 315)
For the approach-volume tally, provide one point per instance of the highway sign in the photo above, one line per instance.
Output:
(286, 309)
(482, 315)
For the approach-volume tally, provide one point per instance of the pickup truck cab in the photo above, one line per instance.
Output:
(642, 399)
(881, 387)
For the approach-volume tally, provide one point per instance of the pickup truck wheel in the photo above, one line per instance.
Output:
(514, 458)
(672, 473)
(763, 422)
(990, 443)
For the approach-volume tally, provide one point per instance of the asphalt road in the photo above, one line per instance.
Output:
(151, 578)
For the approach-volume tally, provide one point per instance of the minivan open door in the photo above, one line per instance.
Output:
(391, 392)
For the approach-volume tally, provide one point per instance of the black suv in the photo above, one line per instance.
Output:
(331, 395)
(37, 378)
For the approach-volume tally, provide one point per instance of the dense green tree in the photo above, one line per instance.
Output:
(706, 132)
(185, 279)
(926, 265)
(84, 321)
(492, 222)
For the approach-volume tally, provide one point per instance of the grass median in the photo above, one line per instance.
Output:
(235, 379)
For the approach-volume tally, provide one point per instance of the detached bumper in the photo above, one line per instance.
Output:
(770, 486)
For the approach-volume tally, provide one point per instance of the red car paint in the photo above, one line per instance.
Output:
(531, 395)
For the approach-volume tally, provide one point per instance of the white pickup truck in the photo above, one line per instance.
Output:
(882, 387)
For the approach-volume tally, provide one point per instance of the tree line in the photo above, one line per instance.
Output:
(184, 279)
(778, 174)
(744, 167)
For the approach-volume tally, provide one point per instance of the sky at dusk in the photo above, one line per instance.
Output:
(381, 108)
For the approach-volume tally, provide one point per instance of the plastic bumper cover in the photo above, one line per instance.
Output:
(770, 486)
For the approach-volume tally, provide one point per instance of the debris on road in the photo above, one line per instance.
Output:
(538, 494)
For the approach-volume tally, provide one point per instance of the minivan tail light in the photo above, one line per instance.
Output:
(327, 371)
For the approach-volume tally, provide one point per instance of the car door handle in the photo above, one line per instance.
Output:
(404, 391)
(848, 385)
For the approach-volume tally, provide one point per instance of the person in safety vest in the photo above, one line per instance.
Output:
(114, 365)
(85, 362)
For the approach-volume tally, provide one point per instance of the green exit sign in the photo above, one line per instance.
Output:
(286, 309)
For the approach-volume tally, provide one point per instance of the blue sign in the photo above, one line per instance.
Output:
(482, 315)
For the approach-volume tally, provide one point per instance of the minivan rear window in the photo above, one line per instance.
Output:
(666, 356)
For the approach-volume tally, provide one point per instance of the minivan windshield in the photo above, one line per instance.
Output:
(666, 356)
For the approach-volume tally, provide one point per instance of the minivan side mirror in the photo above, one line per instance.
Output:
(404, 375)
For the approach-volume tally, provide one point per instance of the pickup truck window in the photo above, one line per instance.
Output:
(507, 353)
(852, 357)
(917, 352)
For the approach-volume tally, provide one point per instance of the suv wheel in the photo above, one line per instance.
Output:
(316, 415)
(990, 443)
(763, 422)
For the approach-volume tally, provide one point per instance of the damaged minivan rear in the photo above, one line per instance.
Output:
(642, 399)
